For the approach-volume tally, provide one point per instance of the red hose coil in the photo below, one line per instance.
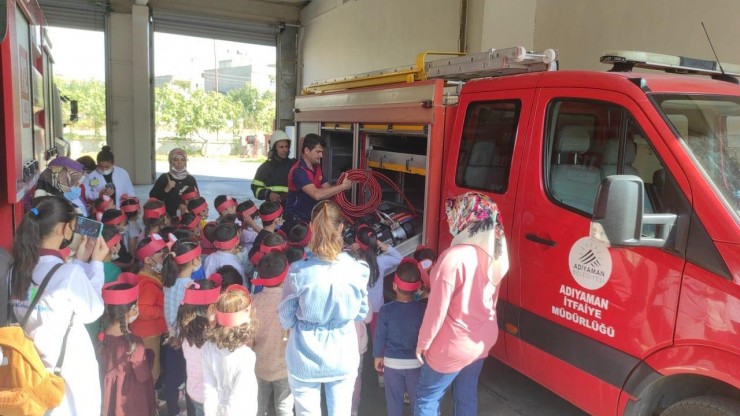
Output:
(366, 184)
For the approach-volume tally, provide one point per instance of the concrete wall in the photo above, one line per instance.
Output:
(342, 37)
(583, 29)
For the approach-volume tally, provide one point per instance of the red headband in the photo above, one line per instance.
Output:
(188, 255)
(116, 220)
(256, 257)
(232, 319)
(154, 212)
(130, 208)
(190, 195)
(194, 223)
(272, 281)
(230, 202)
(104, 202)
(407, 286)
(113, 240)
(264, 249)
(227, 245)
(249, 211)
(272, 216)
(306, 239)
(122, 296)
(195, 296)
(362, 245)
(200, 208)
(154, 246)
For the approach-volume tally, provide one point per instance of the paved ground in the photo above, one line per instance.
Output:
(501, 390)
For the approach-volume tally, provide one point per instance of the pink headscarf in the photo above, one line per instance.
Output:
(182, 174)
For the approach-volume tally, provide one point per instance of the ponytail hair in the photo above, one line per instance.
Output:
(36, 225)
(105, 155)
(367, 236)
(326, 231)
(170, 269)
(117, 314)
(192, 320)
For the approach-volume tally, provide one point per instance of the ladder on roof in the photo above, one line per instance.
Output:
(492, 63)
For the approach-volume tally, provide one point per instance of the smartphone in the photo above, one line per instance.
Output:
(110, 186)
(88, 227)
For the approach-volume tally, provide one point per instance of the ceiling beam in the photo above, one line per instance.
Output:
(247, 10)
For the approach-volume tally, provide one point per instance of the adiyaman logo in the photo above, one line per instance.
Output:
(590, 263)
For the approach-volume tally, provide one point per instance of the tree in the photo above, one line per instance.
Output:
(258, 109)
(90, 96)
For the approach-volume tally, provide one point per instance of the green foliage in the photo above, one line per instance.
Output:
(90, 96)
(176, 108)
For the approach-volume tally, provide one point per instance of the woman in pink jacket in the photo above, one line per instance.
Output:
(459, 326)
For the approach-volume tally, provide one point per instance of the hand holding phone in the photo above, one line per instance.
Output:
(88, 227)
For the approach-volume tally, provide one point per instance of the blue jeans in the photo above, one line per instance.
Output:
(199, 411)
(174, 376)
(398, 382)
(432, 386)
(307, 396)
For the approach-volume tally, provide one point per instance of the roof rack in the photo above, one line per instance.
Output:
(624, 61)
(492, 63)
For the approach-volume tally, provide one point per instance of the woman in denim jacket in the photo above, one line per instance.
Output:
(322, 297)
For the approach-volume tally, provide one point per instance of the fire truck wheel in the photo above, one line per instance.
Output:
(704, 406)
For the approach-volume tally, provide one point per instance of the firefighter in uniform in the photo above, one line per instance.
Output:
(306, 183)
(270, 183)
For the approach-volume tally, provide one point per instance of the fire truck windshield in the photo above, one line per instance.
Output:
(709, 127)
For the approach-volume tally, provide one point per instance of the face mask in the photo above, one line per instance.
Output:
(65, 242)
(123, 230)
(114, 257)
(106, 171)
(132, 318)
(179, 170)
(73, 194)
(157, 268)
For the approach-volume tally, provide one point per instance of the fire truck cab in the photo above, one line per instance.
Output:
(620, 196)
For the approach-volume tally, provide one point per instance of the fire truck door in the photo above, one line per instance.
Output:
(487, 158)
(588, 310)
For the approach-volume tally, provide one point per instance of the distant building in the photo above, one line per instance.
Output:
(162, 79)
(226, 77)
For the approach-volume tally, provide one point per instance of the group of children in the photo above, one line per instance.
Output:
(195, 303)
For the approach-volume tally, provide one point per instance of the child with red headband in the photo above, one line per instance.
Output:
(125, 363)
(247, 213)
(151, 324)
(270, 338)
(394, 344)
(110, 271)
(426, 258)
(116, 218)
(199, 206)
(154, 217)
(225, 205)
(177, 270)
(131, 206)
(195, 317)
(271, 214)
(230, 385)
(226, 240)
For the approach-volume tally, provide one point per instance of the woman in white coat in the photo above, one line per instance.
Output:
(73, 294)
(108, 179)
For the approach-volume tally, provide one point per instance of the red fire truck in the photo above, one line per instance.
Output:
(620, 196)
(31, 118)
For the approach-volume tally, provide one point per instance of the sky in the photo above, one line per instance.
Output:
(80, 54)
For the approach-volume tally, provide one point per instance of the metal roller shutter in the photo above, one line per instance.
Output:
(214, 27)
(75, 14)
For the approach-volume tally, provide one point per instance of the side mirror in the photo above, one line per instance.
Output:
(73, 115)
(618, 214)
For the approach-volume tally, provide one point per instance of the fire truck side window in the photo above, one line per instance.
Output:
(590, 140)
(487, 145)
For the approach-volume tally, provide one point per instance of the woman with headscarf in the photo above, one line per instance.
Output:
(459, 326)
(170, 186)
(63, 177)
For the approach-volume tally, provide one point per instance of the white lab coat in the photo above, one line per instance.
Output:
(95, 182)
(230, 386)
(75, 287)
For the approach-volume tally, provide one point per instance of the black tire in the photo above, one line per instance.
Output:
(704, 406)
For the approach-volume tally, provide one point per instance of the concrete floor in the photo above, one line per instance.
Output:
(501, 390)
